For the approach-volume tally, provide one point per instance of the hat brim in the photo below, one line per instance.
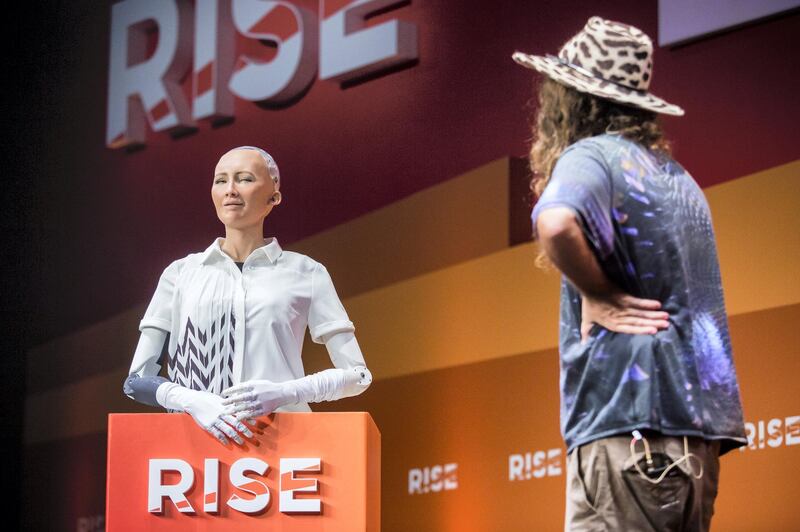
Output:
(567, 75)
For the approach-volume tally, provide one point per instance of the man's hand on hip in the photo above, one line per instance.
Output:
(623, 313)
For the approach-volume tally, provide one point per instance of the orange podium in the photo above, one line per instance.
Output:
(301, 471)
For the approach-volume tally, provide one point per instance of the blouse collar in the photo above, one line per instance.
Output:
(272, 250)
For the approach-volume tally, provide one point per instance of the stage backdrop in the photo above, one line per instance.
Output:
(400, 129)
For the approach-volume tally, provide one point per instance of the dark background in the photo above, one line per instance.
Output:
(34, 63)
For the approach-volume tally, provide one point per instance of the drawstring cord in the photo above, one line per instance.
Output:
(649, 458)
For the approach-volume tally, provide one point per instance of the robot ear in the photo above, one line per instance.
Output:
(276, 198)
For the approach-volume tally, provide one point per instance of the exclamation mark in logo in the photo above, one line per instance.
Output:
(211, 486)
(528, 465)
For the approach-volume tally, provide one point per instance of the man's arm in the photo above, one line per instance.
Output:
(603, 302)
(562, 240)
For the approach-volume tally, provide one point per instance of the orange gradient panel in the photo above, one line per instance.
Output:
(496, 423)
(348, 445)
(759, 486)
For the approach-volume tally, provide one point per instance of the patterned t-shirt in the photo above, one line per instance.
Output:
(649, 226)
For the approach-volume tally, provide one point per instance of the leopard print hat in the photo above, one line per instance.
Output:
(608, 59)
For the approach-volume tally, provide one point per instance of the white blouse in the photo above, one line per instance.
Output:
(228, 326)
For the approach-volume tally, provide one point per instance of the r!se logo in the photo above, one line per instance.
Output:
(289, 485)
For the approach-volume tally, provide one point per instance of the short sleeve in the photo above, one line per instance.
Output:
(159, 311)
(581, 181)
(326, 314)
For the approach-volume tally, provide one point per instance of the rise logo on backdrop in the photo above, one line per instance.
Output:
(773, 433)
(145, 84)
(534, 464)
(433, 479)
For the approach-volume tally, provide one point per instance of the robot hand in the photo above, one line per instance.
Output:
(255, 398)
(208, 411)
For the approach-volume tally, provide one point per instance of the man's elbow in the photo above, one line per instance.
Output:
(556, 223)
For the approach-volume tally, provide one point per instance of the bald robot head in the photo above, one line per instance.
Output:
(272, 166)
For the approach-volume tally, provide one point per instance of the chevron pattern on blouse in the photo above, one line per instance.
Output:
(203, 359)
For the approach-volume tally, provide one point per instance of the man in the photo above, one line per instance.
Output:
(649, 395)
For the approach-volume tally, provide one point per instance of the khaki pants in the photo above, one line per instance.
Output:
(605, 492)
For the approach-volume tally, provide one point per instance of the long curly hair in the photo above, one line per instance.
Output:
(566, 116)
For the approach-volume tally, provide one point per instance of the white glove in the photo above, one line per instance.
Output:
(262, 397)
(206, 409)
(254, 398)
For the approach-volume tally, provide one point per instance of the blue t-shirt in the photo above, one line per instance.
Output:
(649, 226)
